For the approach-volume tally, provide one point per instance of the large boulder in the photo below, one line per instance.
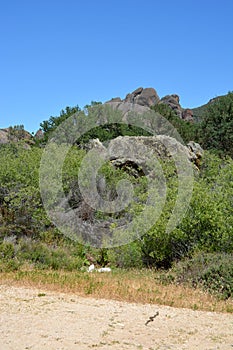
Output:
(126, 151)
(145, 97)
(139, 102)
(121, 148)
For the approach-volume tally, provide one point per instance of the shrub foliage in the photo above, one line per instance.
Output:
(27, 236)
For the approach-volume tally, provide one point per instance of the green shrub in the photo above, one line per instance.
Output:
(211, 271)
(7, 250)
(9, 265)
(8, 259)
(45, 256)
(126, 256)
(35, 252)
(61, 259)
(188, 131)
(216, 128)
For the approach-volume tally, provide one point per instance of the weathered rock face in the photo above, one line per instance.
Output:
(197, 152)
(148, 97)
(139, 102)
(121, 148)
(7, 135)
(125, 151)
(4, 136)
(94, 144)
(173, 101)
(145, 97)
(39, 135)
(115, 99)
(127, 107)
(187, 114)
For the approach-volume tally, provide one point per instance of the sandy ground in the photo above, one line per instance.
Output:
(31, 320)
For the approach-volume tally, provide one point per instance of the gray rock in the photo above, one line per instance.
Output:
(173, 101)
(195, 148)
(7, 136)
(94, 143)
(125, 151)
(4, 136)
(115, 99)
(121, 148)
(148, 97)
(145, 97)
(127, 107)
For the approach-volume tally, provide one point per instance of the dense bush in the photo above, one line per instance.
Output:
(45, 256)
(38, 254)
(8, 259)
(28, 237)
(216, 128)
(7, 250)
(126, 256)
(211, 271)
(187, 130)
(208, 224)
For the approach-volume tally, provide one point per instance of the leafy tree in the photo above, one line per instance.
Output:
(48, 126)
(19, 189)
(216, 129)
(94, 111)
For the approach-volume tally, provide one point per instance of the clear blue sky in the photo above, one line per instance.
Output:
(63, 53)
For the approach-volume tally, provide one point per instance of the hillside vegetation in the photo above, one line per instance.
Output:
(197, 252)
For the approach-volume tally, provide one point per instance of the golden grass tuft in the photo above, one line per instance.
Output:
(139, 286)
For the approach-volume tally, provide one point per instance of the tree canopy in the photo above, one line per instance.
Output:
(216, 128)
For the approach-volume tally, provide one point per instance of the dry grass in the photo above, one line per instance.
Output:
(131, 286)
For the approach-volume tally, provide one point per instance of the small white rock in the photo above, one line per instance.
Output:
(91, 268)
(104, 269)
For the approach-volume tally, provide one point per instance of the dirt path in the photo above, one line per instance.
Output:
(55, 321)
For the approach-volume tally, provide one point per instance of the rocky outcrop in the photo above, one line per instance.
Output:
(173, 101)
(123, 150)
(115, 99)
(4, 136)
(148, 97)
(195, 148)
(197, 152)
(39, 135)
(187, 115)
(10, 134)
(145, 97)
(139, 101)
(127, 107)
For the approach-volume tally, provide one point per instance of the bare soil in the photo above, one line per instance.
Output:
(38, 319)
